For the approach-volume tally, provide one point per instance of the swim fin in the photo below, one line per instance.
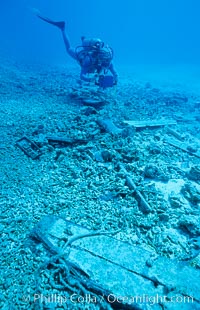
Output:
(60, 25)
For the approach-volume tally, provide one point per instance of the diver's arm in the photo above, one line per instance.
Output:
(84, 76)
(114, 72)
(84, 71)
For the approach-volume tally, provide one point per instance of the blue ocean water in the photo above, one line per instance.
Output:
(140, 31)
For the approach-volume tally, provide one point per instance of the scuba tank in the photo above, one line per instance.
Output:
(98, 55)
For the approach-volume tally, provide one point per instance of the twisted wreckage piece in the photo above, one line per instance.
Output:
(70, 275)
(104, 266)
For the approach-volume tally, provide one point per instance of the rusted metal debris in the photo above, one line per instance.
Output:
(174, 133)
(150, 123)
(182, 146)
(29, 147)
(142, 203)
(107, 125)
(65, 140)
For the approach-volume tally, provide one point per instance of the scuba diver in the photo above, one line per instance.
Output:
(94, 57)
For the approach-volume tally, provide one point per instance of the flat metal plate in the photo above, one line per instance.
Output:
(122, 268)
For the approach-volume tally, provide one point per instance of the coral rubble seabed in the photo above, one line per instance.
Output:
(83, 182)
